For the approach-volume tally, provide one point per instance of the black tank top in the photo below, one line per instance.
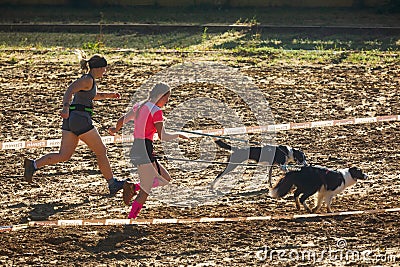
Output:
(85, 97)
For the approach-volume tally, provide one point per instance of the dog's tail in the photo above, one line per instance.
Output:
(283, 186)
(224, 145)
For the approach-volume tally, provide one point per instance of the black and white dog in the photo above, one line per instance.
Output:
(268, 155)
(311, 179)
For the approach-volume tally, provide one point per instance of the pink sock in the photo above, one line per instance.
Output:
(136, 207)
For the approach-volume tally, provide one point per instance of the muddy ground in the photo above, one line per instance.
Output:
(31, 90)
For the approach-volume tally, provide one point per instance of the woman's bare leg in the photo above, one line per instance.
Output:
(93, 140)
(163, 172)
(69, 141)
(148, 173)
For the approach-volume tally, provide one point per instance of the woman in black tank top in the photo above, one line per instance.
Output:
(77, 123)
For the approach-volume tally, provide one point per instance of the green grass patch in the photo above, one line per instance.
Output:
(245, 46)
(91, 41)
(253, 43)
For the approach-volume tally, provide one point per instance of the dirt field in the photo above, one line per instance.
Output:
(31, 91)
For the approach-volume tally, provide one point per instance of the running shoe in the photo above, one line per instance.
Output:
(115, 186)
(129, 192)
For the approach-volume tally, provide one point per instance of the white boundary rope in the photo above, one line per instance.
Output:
(108, 222)
(224, 131)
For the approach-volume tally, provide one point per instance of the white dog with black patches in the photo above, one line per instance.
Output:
(311, 179)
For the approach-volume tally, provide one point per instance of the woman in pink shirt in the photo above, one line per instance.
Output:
(149, 120)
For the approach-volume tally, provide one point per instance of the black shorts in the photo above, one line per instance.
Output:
(78, 122)
(142, 152)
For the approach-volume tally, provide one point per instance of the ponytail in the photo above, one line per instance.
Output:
(96, 61)
(83, 62)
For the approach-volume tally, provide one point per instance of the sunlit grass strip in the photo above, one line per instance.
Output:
(202, 40)
(231, 46)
